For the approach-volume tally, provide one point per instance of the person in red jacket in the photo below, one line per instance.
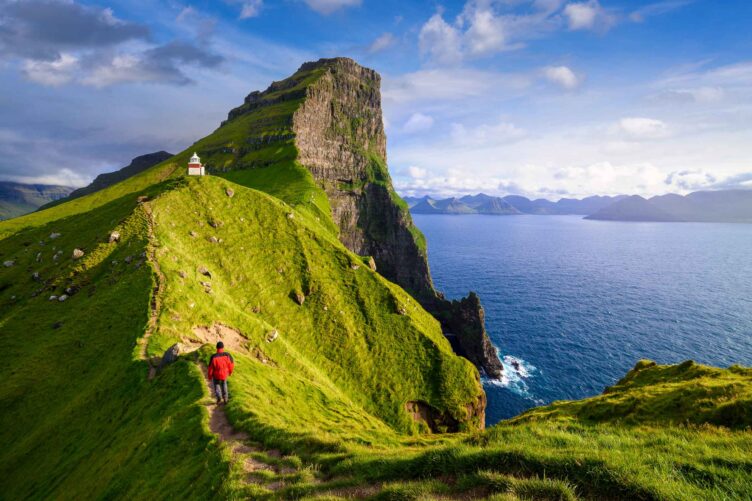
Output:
(221, 365)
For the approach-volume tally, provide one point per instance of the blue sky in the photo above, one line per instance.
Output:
(543, 98)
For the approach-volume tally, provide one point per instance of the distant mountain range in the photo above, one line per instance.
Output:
(137, 165)
(508, 206)
(17, 199)
(733, 206)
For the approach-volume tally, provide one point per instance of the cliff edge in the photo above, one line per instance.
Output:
(338, 132)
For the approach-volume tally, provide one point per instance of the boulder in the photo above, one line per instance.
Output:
(53, 298)
(114, 236)
(171, 355)
(63, 298)
(204, 271)
(372, 263)
(229, 192)
(272, 335)
(78, 253)
(299, 297)
(213, 239)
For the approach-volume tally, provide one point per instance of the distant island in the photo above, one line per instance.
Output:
(732, 206)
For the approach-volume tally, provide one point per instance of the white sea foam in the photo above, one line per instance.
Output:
(516, 371)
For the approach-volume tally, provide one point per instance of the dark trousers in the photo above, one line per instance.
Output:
(220, 389)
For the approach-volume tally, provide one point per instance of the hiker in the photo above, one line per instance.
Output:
(221, 365)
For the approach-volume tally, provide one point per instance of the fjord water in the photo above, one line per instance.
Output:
(572, 304)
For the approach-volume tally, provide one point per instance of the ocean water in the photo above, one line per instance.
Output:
(572, 305)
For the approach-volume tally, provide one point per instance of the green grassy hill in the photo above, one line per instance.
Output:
(344, 385)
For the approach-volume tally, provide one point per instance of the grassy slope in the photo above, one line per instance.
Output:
(86, 421)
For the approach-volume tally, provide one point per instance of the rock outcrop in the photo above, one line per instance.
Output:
(338, 133)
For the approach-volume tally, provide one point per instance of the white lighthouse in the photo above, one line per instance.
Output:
(194, 166)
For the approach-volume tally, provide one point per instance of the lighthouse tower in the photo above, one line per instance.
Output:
(194, 166)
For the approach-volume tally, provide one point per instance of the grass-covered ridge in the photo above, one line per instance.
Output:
(328, 355)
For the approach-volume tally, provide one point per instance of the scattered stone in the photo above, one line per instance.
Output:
(170, 356)
(216, 223)
(326, 308)
(78, 253)
(55, 257)
(35, 276)
(229, 192)
(54, 235)
(290, 216)
(402, 310)
(182, 274)
(63, 298)
(213, 239)
(9, 263)
(128, 259)
(299, 297)
(256, 309)
(354, 266)
(13, 298)
(242, 219)
(114, 262)
(193, 234)
(272, 336)
(114, 236)
(142, 199)
(192, 305)
(53, 298)
(372, 263)
(71, 290)
(206, 284)
(39, 257)
(204, 271)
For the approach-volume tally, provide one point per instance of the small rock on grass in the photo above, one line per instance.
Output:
(9, 263)
(54, 235)
(204, 271)
(272, 336)
(193, 234)
(78, 253)
(229, 192)
(63, 298)
(114, 236)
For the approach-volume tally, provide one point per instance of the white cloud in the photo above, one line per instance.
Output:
(702, 95)
(657, 9)
(486, 33)
(417, 172)
(251, 8)
(643, 128)
(52, 73)
(499, 133)
(450, 85)
(418, 122)
(440, 41)
(62, 177)
(327, 7)
(562, 76)
(588, 15)
(384, 41)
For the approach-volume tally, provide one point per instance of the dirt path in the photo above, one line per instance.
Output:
(157, 291)
(243, 451)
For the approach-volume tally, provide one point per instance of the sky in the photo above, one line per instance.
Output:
(543, 98)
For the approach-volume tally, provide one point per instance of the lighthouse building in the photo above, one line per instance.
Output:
(194, 166)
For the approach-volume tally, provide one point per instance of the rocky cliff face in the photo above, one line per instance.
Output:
(338, 133)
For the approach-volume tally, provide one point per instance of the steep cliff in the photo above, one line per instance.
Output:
(338, 136)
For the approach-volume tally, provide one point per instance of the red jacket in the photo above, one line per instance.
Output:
(221, 365)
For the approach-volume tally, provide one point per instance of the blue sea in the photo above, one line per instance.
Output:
(572, 305)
